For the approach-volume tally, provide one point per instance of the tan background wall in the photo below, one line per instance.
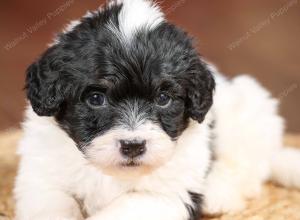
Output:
(254, 36)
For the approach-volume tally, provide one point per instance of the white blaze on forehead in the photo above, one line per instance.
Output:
(137, 14)
(134, 15)
(131, 114)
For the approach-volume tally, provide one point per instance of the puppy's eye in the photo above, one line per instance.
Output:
(163, 100)
(96, 99)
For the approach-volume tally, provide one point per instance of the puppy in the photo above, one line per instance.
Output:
(121, 125)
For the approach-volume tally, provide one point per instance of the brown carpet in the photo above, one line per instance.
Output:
(276, 203)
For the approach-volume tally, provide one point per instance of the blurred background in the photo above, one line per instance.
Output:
(254, 36)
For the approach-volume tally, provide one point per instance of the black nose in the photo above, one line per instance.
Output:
(132, 148)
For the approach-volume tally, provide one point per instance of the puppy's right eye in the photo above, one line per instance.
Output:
(96, 99)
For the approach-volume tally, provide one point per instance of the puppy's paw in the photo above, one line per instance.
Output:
(217, 202)
(223, 193)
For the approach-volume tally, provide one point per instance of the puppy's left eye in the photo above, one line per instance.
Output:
(163, 100)
(96, 99)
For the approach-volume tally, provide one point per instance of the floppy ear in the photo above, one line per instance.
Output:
(44, 89)
(200, 91)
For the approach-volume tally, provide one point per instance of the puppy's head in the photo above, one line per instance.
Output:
(123, 83)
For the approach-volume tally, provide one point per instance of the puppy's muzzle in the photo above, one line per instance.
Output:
(132, 148)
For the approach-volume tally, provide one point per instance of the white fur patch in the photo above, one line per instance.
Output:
(104, 151)
(132, 117)
(137, 14)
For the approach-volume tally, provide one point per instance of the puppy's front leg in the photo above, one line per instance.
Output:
(144, 206)
(226, 187)
(38, 204)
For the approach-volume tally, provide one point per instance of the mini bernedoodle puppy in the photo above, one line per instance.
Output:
(127, 122)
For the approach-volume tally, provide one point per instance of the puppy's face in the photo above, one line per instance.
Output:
(124, 93)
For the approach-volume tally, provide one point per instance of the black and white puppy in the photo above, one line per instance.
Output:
(120, 126)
